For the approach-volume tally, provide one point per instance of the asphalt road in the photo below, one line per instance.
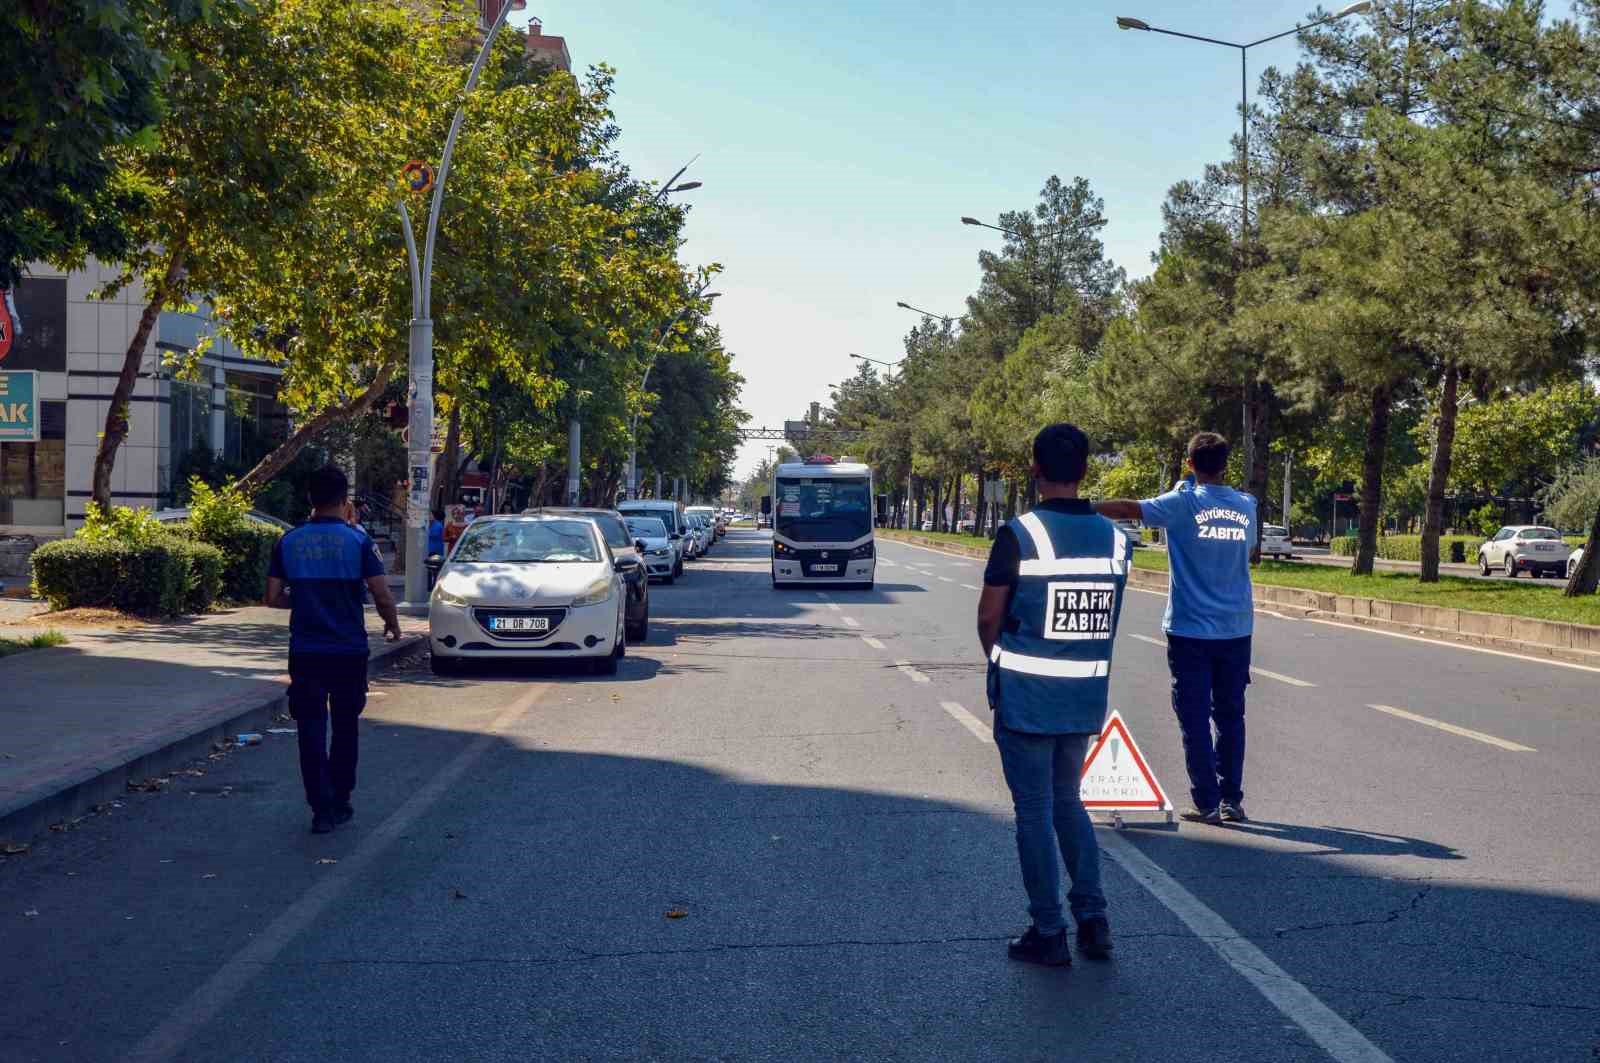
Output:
(804, 779)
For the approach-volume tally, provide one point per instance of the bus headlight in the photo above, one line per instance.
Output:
(780, 550)
(860, 552)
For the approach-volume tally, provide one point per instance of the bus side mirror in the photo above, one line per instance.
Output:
(766, 505)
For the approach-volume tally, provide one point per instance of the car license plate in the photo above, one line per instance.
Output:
(824, 568)
(520, 623)
(1542, 548)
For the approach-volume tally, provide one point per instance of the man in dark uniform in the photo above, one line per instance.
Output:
(1047, 617)
(318, 573)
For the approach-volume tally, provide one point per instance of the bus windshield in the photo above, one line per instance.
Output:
(824, 509)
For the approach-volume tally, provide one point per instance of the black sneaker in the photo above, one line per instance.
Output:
(1202, 815)
(1094, 939)
(322, 823)
(1233, 812)
(343, 813)
(1046, 950)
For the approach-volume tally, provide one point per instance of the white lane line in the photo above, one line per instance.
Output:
(969, 721)
(910, 673)
(1545, 661)
(823, 595)
(870, 641)
(834, 606)
(1464, 732)
(1291, 680)
(1279, 676)
(970, 587)
(1298, 1004)
(884, 561)
(851, 621)
(214, 994)
(946, 579)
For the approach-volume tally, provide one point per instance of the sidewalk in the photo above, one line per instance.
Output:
(79, 722)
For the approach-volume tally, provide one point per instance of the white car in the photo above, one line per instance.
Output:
(529, 587)
(1133, 530)
(1574, 561)
(1275, 541)
(701, 528)
(1524, 548)
(658, 555)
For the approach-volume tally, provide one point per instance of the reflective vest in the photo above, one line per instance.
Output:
(1050, 671)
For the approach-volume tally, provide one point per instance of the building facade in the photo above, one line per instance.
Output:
(76, 346)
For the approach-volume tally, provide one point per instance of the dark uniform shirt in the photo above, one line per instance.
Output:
(326, 564)
(1005, 556)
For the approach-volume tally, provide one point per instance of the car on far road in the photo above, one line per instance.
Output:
(176, 516)
(535, 587)
(1275, 541)
(709, 515)
(1524, 548)
(658, 555)
(1574, 561)
(1133, 530)
(708, 533)
(763, 520)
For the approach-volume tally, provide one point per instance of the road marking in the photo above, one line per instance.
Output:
(1297, 1003)
(1464, 732)
(969, 721)
(970, 587)
(1457, 645)
(870, 641)
(1279, 676)
(884, 561)
(928, 549)
(823, 595)
(1147, 638)
(834, 606)
(212, 997)
(910, 673)
(851, 621)
(946, 579)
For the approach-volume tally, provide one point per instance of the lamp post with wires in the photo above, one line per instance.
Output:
(946, 318)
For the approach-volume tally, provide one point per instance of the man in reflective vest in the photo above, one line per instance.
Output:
(1047, 617)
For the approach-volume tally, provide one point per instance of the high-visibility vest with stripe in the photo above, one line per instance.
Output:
(1050, 671)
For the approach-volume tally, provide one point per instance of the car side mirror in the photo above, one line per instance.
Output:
(638, 544)
(675, 536)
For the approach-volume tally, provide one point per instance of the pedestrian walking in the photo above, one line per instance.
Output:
(1047, 618)
(319, 572)
(1211, 544)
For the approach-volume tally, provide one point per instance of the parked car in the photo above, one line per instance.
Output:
(1133, 530)
(927, 525)
(1275, 541)
(175, 516)
(1574, 561)
(658, 553)
(669, 513)
(701, 528)
(712, 517)
(533, 586)
(630, 558)
(763, 520)
(1524, 548)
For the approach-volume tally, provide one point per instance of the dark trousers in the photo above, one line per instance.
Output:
(1208, 681)
(324, 686)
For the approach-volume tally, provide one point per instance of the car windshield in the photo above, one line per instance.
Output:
(663, 515)
(1273, 529)
(1540, 533)
(646, 528)
(824, 509)
(528, 542)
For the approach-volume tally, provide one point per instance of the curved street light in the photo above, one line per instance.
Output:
(925, 313)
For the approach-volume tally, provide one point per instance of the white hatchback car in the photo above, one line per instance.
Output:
(528, 587)
(1524, 548)
(1574, 561)
(1275, 541)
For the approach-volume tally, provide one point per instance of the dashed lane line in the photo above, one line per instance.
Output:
(834, 606)
(870, 641)
(911, 673)
(946, 579)
(1464, 732)
(850, 621)
(969, 721)
(1279, 676)
(970, 587)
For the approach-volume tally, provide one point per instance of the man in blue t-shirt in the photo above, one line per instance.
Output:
(1211, 543)
(319, 572)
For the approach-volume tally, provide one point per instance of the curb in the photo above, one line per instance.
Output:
(30, 814)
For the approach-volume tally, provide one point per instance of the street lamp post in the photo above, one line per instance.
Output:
(420, 345)
(946, 318)
(1126, 23)
(701, 295)
(879, 361)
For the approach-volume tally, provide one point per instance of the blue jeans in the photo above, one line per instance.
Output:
(1043, 772)
(1208, 681)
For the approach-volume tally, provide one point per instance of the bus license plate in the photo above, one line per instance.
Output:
(824, 568)
(520, 623)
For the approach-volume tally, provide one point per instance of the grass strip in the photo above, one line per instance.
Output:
(43, 640)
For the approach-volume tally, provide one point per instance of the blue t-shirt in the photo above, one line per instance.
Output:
(326, 564)
(1211, 529)
(436, 538)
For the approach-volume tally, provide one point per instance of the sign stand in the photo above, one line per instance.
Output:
(1116, 779)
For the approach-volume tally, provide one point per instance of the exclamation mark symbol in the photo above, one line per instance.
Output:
(1115, 744)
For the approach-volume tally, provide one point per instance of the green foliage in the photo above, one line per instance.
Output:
(124, 524)
(1409, 547)
(1516, 444)
(216, 514)
(43, 640)
(1573, 498)
(1486, 518)
(166, 577)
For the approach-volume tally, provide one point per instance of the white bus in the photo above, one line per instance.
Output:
(822, 523)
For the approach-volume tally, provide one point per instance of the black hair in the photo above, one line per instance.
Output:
(438, 513)
(1209, 452)
(327, 486)
(1062, 453)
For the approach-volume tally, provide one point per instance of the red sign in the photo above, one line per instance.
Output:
(1115, 775)
(8, 323)
(1341, 498)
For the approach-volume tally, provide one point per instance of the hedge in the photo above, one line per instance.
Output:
(1409, 547)
(247, 554)
(165, 578)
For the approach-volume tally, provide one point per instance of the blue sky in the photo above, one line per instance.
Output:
(840, 146)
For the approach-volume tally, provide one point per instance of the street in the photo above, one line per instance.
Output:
(781, 833)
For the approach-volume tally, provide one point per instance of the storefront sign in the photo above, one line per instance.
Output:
(19, 407)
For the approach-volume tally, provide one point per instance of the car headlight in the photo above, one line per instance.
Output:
(594, 593)
(661, 552)
(444, 597)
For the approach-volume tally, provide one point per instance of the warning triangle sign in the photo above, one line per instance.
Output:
(1115, 775)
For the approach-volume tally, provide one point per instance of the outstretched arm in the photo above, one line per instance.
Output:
(1119, 509)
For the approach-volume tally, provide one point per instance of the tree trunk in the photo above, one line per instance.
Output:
(449, 483)
(1444, 436)
(116, 426)
(275, 462)
(1372, 481)
(1587, 577)
(938, 508)
(1011, 500)
(955, 503)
